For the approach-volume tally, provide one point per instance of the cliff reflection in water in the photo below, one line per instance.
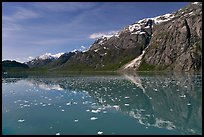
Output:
(164, 101)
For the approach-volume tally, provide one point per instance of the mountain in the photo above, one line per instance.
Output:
(60, 61)
(171, 42)
(176, 44)
(167, 42)
(8, 65)
(111, 52)
(43, 60)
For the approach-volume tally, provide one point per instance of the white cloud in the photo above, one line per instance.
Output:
(48, 42)
(21, 14)
(8, 29)
(98, 35)
(64, 6)
(10, 22)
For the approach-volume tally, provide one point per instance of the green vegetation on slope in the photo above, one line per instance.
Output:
(144, 66)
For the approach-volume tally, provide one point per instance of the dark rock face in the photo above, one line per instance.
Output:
(177, 44)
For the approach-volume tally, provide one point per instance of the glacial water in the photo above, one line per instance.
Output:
(108, 105)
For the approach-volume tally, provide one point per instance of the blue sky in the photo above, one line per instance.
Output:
(30, 29)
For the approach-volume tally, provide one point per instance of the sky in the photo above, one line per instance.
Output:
(31, 29)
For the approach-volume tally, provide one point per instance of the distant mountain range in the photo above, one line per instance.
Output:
(42, 60)
(8, 65)
(171, 42)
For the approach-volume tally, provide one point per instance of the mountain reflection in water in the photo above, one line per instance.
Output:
(173, 102)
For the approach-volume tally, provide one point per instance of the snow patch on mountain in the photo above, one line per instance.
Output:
(50, 56)
(57, 55)
(195, 3)
(135, 63)
(133, 27)
(137, 27)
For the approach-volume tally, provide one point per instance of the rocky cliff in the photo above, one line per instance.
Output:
(176, 44)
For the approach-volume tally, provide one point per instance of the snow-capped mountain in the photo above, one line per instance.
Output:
(50, 56)
(138, 27)
(154, 43)
(146, 23)
(43, 59)
(175, 43)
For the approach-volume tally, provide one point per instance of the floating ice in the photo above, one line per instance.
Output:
(100, 132)
(57, 133)
(94, 118)
(155, 89)
(93, 104)
(115, 106)
(127, 104)
(75, 103)
(62, 110)
(68, 103)
(26, 105)
(183, 96)
(21, 120)
(76, 120)
(95, 111)
(188, 104)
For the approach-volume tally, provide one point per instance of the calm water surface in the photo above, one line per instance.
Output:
(126, 104)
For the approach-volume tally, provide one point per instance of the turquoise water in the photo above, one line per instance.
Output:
(88, 105)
